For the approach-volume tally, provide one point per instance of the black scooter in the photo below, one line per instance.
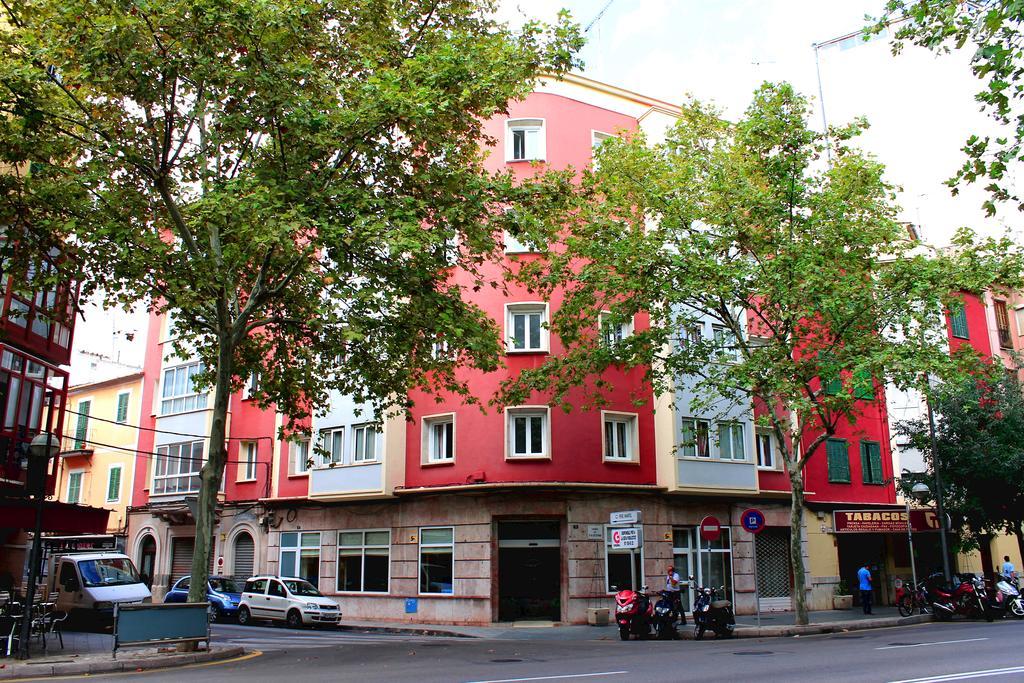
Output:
(712, 614)
(667, 611)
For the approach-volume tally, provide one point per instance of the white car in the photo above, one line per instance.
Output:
(291, 600)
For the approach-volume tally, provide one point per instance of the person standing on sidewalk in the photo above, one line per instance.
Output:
(1008, 568)
(674, 587)
(864, 576)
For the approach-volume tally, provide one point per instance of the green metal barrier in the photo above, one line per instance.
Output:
(136, 625)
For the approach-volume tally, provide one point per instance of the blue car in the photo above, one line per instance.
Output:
(223, 592)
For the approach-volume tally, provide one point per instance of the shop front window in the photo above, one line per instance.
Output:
(709, 562)
(300, 556)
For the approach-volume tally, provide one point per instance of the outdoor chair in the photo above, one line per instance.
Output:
(13, 630)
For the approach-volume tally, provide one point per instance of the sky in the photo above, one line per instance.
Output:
(920, 106)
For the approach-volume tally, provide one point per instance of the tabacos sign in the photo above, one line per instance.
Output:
(883, 521)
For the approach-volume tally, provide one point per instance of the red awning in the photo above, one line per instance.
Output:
(58, 517)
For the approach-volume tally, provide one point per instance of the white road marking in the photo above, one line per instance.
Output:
(552, 678)
(964, 676)
(940, 642)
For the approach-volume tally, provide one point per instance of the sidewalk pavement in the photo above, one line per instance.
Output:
(66, 663)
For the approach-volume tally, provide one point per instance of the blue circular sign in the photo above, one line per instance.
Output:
(752, 520)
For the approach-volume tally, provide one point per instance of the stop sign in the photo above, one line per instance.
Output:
(710, 528)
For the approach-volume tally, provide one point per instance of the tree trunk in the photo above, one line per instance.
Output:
(210, 478)
(796, 542)
(1019, 533)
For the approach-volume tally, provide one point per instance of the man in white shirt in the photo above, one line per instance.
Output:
(674, 587)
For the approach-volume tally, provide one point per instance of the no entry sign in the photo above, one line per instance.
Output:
(710, 528)
(753, 520)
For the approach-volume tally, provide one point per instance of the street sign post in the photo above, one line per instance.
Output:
(710, 528)
(627, 538)
(752, 520)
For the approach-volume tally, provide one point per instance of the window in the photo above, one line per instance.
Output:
(694, 439)
(364, 443)
(121, 415)
(437, 560)
(252, 385)
(1019, 315)
(871, 462)
(597, 138)
(612, 331)
(958, 320)
(764, 440)
(1002, 324)
(623, 567)
(332, 443)
(177, 468)
(524, 140)
(863, 385)
(514, 246)
(178, 394)
(440, 350)
(709, 562)
(364, 561)
(691, 335)
(525, 327)
(75, 486)
(114, 484)
(725, 341)
(528, 433)
(439, 438)
(838, 461)
(730, 441)
(247, 466)
(298, 457)
(620, 437)
(82, 425)
(300, 556)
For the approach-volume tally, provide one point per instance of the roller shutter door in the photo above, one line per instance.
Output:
(182, 550)
(244, 556)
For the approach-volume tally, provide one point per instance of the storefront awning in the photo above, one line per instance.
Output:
(886, 521)
(58, 517)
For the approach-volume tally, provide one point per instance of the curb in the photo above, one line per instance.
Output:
(815, 629)
(117, 666)
(403, 630)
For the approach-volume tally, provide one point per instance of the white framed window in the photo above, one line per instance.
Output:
(709, 562)
(695, 438)
(526, 327)
(614, 331)
(597, 138)
(298, 457)
(440, 350)
(730, 441)
(692, 334)
(764, 441)
(364, 561)
(525, 140)
(529, 434)
(515, 246)
(178, 393)
(437, 560)
(121, 412)
(725, 341)
(364, 443)
(247, 461)
(332, 445)
(252, 385)
(621, 438)
(439, 438)
(300, 556)
(75, 486)
(177, 466)
(114, 484)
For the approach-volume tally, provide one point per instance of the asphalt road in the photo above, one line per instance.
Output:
(928, 653)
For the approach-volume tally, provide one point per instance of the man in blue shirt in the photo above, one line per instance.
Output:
(1008, 568)
(864, 576)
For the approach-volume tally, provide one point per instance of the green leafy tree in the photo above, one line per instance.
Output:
(293, 179)
(993, 31)
(802, 268)
(979, 451)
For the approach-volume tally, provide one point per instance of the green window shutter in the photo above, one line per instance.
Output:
(863, 385)
(838, 461)
(832, 386)
(114, 485)
(81, 429)
(871, 462)
(122, 408)
(958, 320)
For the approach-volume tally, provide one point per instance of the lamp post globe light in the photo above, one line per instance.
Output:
(921, 493)
(41, 449)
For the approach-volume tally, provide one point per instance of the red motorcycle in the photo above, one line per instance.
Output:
(968, 598)
(634, 613)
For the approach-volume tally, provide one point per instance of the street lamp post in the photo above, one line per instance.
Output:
(938, 492)
(921, 492)
(43, 447)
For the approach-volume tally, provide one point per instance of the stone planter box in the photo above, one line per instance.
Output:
(842, 602)
(598, 616)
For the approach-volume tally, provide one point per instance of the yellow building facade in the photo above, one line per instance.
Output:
(98, 451)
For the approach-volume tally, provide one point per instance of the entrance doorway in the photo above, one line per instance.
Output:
(856, 550)
(774, 578)
(529, 570)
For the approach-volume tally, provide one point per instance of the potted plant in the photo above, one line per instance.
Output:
(842, 599)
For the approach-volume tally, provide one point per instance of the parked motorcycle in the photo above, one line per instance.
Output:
(968, 598)
(666, 612)
(711, 613)
(634, 613)
(1006, 598)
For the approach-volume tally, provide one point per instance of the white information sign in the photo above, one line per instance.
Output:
(626, 517)
(626, 538)
(594, 532)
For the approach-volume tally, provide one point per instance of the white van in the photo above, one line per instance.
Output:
(86, 585)
(291, 600)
